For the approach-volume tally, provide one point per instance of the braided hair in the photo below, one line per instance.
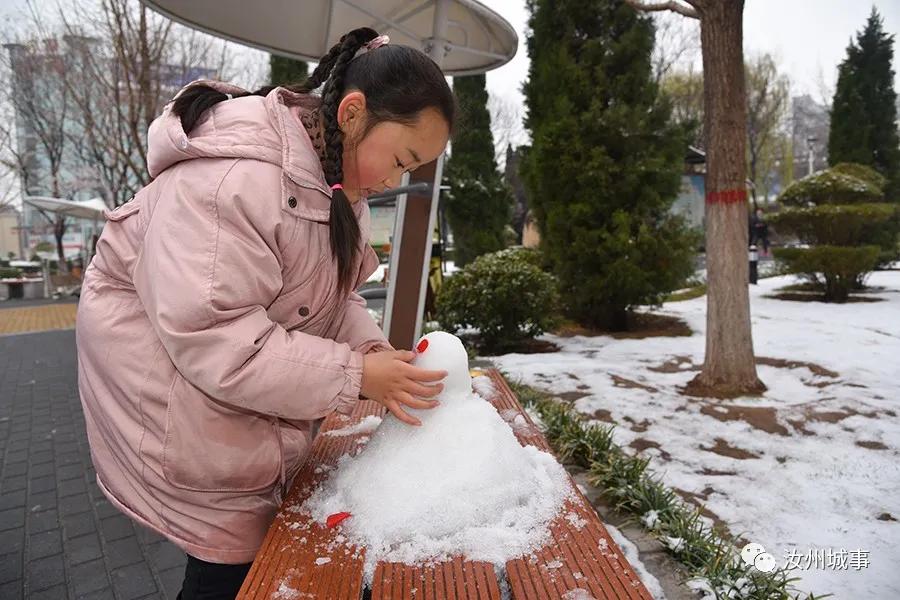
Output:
(398, 83)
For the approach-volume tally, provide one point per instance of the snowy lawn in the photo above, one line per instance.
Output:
(811, 470)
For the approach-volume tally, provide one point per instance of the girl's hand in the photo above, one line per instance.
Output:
(388, 378)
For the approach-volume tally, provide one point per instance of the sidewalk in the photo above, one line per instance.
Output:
(59, 537)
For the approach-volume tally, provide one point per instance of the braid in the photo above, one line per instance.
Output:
(331, 70)
(344, 228)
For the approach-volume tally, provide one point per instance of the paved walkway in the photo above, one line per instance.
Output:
(59, 537)
(26, 316)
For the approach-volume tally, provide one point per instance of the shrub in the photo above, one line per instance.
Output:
(839, 212)
(10, 273)
(505, 295)
(830, 187)
(841, 266)
(864, 172)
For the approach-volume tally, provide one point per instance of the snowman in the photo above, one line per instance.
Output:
(460, 484)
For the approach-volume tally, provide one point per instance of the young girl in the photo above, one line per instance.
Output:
(218, 323)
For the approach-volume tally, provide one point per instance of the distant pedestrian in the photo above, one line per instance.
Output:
(759, 231)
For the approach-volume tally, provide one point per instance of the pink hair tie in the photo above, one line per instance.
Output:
(337, 186)
(373, 44)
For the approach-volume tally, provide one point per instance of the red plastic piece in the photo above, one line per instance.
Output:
(423, 345)
(336, 518)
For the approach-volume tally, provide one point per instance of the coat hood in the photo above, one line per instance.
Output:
(255, 127)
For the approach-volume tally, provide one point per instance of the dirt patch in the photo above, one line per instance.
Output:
(601, 414)
(619, 381)
(871, 445)
(760, 417)
(723, 448)
(641, 444)
(676, 364)
(715, 472)
(640, 326)
(796, 364)
(571, 396)
(799, 425)
(638, 427)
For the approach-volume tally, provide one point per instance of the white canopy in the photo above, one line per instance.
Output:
(475, 38)
(89, 209)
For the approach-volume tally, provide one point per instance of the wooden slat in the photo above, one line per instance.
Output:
(457, 579)
(581, 553)
(287, 558)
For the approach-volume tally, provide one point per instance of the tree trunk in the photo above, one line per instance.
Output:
(59, 230)
(729, 367)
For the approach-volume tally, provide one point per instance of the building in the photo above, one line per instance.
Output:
(811, 123)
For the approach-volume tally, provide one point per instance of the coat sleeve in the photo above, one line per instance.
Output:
(208, 268)
(358, 329)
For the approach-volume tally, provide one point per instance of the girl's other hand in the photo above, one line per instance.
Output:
(388, 378)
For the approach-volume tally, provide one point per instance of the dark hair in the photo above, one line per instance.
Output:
(398, 82)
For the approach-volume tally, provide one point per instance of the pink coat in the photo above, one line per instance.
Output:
(211, 341)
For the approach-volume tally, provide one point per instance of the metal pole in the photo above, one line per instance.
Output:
(397, 327)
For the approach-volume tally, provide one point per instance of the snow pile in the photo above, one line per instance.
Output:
(461, 484)
(819, 473)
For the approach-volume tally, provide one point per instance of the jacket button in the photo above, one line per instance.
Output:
(292, 202)
(304, 311)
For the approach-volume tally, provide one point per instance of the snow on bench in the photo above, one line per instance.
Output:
(304, 559)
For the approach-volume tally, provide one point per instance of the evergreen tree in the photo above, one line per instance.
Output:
(605, 162)
(285, 71)
(479, 203)
(864, 109)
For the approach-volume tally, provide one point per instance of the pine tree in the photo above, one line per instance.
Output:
(605, 162)
(864, 109)
(479, 203)
(285, 71)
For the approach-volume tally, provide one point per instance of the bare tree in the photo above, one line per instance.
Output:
(507, 126)
(676, 43)
(684, 88)
(729, 366)
(767, 102)
(34, 141)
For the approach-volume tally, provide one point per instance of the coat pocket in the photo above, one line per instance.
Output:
(212, 447)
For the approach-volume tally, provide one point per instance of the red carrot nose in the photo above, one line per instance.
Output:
(423, 345)
(333, 520)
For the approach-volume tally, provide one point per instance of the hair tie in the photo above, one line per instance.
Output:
(373, 44)
(337, 186)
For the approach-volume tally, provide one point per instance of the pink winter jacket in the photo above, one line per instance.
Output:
(211, 339)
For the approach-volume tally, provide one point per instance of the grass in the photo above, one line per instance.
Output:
(624, 480)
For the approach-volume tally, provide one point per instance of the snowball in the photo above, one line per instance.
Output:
(460, 484)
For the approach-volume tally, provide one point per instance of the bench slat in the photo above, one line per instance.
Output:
(287, 558)
(582, 553)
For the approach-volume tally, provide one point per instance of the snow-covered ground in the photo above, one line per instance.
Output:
(811, 470)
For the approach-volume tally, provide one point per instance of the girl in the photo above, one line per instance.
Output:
(218, 323)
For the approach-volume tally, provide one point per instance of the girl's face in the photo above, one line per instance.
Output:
(378, 161)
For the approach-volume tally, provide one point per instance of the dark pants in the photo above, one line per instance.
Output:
(210, 581)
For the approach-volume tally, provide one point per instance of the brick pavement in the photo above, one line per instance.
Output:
(59, 537)
(21, 316)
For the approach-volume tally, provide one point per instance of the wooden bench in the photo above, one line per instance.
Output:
(300, 558)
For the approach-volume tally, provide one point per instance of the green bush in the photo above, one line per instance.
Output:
(864, 172)
(841, 266)
(505, 295)
(10, 273)
(830, 187)
(836, 225)
(839, 212)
